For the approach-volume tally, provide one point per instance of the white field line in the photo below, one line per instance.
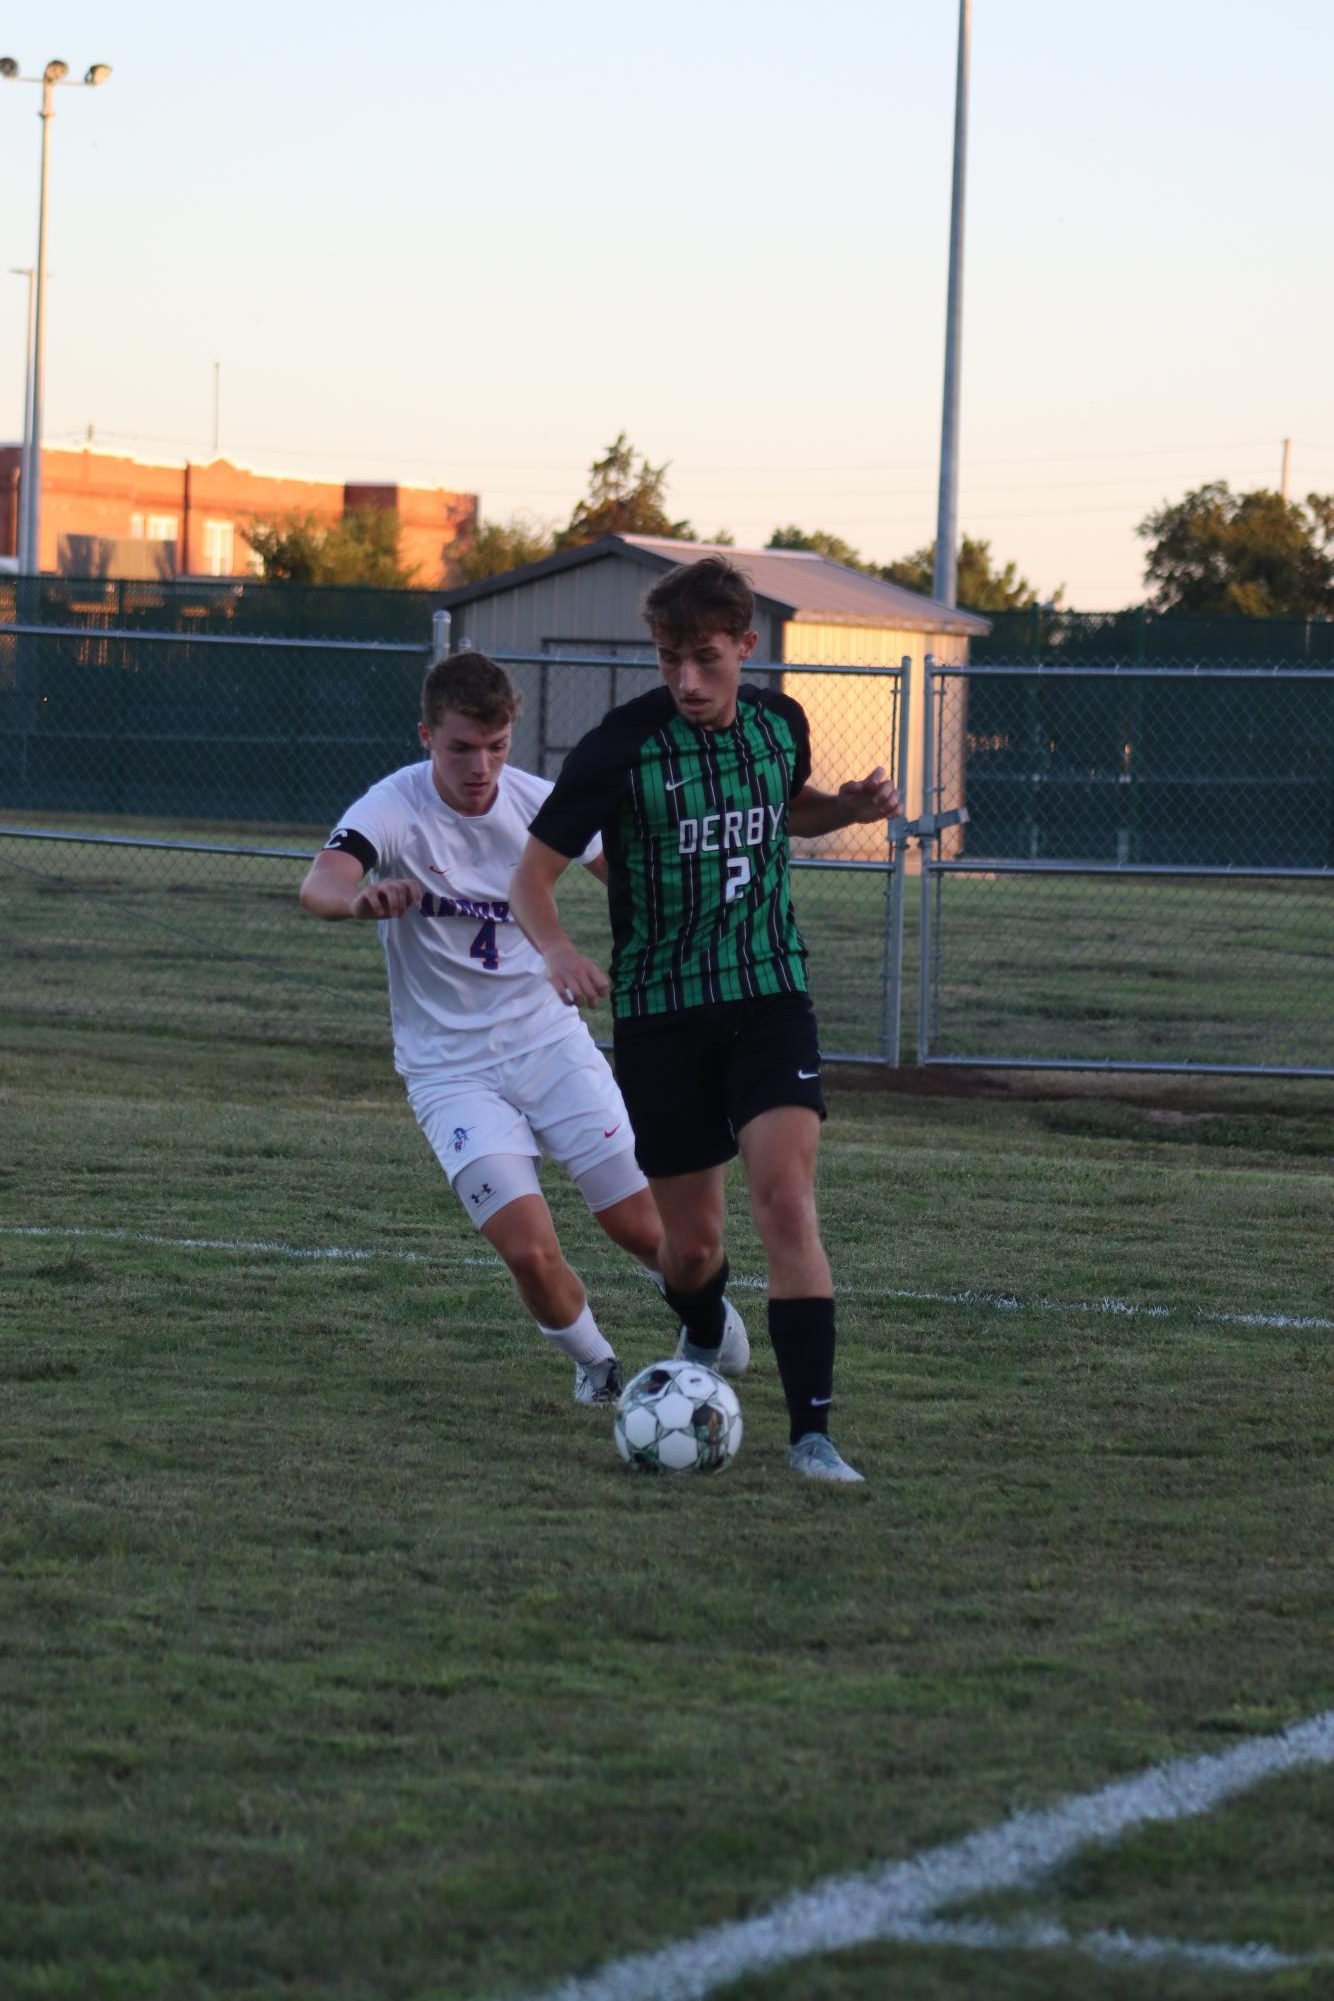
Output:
(1005, 1302)
(1111, 1948)
(901, 1902)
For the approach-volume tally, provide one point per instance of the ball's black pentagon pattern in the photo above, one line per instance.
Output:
(678, 1417)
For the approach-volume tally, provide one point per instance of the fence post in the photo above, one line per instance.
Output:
(440, 624)
(924, 942)
(892, 999)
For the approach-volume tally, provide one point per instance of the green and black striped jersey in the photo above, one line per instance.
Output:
(694, 827)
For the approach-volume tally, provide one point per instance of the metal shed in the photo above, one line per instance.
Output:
(809, 610)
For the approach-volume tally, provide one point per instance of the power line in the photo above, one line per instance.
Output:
(684, 467)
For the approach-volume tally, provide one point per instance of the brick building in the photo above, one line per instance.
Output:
(105, 514)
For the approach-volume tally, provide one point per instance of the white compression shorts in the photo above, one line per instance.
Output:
(491, 1182)
(561, 1101)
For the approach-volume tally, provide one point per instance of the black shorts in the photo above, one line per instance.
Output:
(692, 1080)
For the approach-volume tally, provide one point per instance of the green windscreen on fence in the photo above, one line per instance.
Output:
(239, 607)
(1140, 638)
(1215, 770)
(124, 724)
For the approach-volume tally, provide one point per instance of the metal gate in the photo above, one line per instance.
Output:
(1145, 880)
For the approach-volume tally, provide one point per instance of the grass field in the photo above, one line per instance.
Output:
(1078, 968)
(339, 1657)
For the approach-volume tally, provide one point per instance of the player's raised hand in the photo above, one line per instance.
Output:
(580, 982)
(386, 899)
(874, 797)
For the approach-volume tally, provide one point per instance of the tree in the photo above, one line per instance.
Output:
(622, 499)
(361, 547)
(981, 586)
(821, 543)
(1253, 555)
(493, 546)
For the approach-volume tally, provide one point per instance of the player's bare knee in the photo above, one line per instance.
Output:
(536, 1266)
(784, 1213)
(689, 1263)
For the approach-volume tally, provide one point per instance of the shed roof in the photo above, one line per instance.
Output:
(795, 583)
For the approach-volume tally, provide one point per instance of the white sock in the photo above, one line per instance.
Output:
(656, 1277)
(582, 1340)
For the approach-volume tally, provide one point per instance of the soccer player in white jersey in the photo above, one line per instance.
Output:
(499, 1068)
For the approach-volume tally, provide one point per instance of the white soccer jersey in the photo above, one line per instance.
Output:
(465, 986)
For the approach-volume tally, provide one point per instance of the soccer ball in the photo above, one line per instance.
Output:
(677, 1417)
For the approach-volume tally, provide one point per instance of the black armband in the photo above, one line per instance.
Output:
(347, 841)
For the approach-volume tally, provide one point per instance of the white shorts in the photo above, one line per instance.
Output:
(561, 1101)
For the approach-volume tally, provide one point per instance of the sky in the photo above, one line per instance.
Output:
(468, 244)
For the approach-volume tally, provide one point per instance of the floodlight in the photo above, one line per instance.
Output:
(98, 73)
(54, 71)
(9, 69)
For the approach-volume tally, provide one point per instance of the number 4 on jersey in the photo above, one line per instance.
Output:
(484, 946)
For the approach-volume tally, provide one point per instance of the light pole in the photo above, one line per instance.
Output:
(25, 459)
(56, 72)
(945, 581)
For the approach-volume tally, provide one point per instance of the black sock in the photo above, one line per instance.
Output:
(702, 1312)
(802, 1332)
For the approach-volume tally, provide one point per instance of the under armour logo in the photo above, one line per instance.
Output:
(478, 1198)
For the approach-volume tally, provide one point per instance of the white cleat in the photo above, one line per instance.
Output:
(732, 1355)
(598, 1382)
(819, 1459)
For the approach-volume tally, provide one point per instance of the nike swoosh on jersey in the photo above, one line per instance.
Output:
(673, 784)
(806, 1075)
(611, 1129)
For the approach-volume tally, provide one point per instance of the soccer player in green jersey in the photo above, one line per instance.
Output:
(696, 789)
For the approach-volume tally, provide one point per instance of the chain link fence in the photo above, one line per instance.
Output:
(261, 607)
(161, 795)
(1146, 877)
(229, 607)
(1048, 635)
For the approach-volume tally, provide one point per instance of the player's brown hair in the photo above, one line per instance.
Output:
(711, 595)
(468, 684)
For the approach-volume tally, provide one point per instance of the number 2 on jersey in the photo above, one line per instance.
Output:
(738, 875)
(484, 946)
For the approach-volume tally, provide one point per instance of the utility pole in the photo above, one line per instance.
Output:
(945, 582)
(1287, 467)
(29, 272)
(217, 398)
